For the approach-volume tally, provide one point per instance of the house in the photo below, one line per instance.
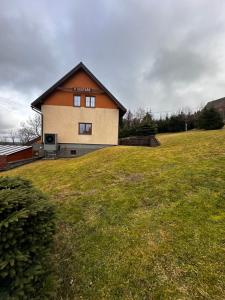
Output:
(219, 105)
(78, 114)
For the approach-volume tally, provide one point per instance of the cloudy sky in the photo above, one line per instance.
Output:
(160, 55)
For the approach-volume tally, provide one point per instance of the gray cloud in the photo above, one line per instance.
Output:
(180, 65)
(27, 54)
(162, 55)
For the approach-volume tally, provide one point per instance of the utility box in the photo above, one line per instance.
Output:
(50, 145)
(50, 142)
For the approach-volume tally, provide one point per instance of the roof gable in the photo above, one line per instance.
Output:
(38, 102)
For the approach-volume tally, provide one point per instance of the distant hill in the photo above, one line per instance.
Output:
(218, 104)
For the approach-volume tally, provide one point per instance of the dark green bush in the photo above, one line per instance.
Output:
(146, 130)
(142, 125)
(209, 119)
(26, 232)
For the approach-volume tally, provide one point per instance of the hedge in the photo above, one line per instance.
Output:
(26, 233)
(210, 119)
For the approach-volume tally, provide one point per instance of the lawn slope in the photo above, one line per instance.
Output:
(137, 222)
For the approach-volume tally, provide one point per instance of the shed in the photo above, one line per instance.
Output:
(12, 156)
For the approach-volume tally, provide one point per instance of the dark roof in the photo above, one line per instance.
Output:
(33, 141)
(37, 103)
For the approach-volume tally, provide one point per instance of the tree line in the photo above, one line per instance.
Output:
(142, 121)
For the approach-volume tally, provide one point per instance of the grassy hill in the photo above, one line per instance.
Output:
(140, 223)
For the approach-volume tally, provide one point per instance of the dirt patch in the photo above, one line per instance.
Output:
(132, 177)
(70, 193)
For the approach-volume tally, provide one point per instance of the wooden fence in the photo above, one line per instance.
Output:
(149, 141)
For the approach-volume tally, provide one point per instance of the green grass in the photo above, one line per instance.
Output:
(140, 223)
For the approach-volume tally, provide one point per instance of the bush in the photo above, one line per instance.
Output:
(177, 122)
(26, 232)
(145, 130)
(140, 125)
(209, 119)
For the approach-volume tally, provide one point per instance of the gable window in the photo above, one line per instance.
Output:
(85, 128)
(76, 100)
(90, 101)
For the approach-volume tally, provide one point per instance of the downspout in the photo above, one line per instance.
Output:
(39, 112)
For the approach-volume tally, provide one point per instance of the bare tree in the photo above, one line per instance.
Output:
(128, 118)
(13, 135)
(35, 125)
(30, 129)
(139, 113)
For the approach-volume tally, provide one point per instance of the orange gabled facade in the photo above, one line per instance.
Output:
(64, 94)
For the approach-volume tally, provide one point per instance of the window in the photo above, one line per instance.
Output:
(76, 100)
(90, 101)
(73, 152)
(85, 128)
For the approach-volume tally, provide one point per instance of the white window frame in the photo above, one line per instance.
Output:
(90, 101)
(93, 101)
(85, 132)
(74, 100)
